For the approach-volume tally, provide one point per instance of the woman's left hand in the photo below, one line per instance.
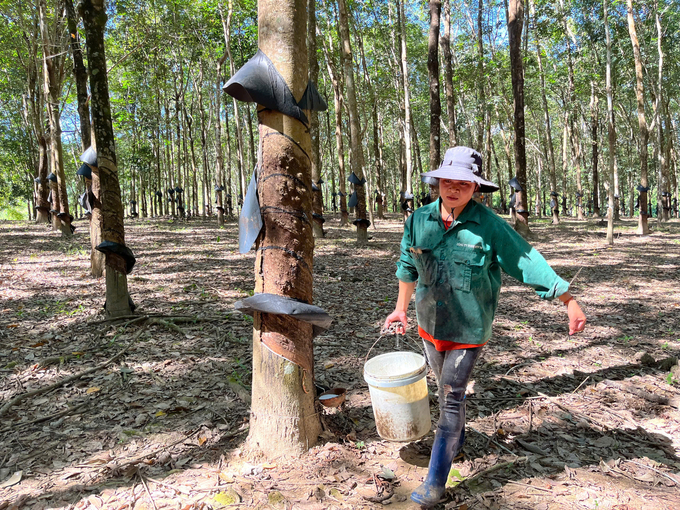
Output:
(577, 319)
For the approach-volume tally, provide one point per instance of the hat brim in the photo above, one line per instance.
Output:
(457, 173)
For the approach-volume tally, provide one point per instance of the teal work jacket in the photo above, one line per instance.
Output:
(459, 270)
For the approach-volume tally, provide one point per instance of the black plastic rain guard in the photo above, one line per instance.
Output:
(250, 220)
(89, 156)
(514, 184)
(641, 188)
(259, 82)
(312, 100)
(51, 177)
(282, 305)
(353, 200)
(38, 180)
(119, 249)
(315, 187)
(319, 218)
(86, 201)
(362, 220)
(355, 180)
(85, 171)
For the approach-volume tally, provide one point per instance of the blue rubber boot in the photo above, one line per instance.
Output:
(444, 449)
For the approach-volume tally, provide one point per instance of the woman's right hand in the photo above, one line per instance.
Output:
(398, 316)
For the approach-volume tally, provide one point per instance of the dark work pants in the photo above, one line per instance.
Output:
(452, 370)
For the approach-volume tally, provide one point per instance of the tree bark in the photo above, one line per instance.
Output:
(356, 146)
(594, 129)
(283, 417)
(663, 192)
(408, 156)
(481, 112)
(338, 102)
(53, 77)
(643, 228)
(317, 194)
(515, 20)
(433, 75)
(94, 19)
(243, 178)
(219, 161)
(377, 156)
(448, 76)
(80, 75)
(612, 208)
(549, 142)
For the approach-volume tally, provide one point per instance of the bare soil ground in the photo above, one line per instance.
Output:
(554, 422)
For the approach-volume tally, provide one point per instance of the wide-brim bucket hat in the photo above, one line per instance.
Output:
(461, 164)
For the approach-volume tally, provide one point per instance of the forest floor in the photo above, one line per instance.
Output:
(554, 422)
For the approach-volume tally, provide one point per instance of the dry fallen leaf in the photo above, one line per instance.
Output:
(13, 480)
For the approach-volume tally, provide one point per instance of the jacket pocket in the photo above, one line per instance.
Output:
(426, 265)
(464, 267)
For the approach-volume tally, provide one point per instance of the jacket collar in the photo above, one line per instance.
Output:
(472, 212)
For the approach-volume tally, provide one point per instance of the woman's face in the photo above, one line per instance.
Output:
(456, 194)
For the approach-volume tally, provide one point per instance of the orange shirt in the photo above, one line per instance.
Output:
(444, 345)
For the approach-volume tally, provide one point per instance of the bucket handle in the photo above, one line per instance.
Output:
(397, 335)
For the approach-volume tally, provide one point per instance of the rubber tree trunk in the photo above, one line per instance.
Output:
(243, 176)
(433, 77)
(356, 146)
(408, 157)
(283, 418)
(448, 76)
(43, 191)
(317, 194)
(94, 19)
(375, 146)
(594, 130)
(555, 207)
(515, 21)
(338, 102)
(219, 161)
(663, 193)
(80, 75)
(481, 95)
(53, 76)
(611, 135)
(643, 228)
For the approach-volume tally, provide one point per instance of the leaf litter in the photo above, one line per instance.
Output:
(589, 421)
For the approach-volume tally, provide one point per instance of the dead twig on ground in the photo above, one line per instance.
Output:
(166, 324)
(46, 389)
(71, 410)
(151, 454)
(574, 412)
(175, 488)
(671, 478)
(493, 469)
(146, 488)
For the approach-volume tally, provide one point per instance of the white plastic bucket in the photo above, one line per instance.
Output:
(398, 389)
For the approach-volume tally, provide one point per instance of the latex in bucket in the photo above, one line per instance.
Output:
(398, 389)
